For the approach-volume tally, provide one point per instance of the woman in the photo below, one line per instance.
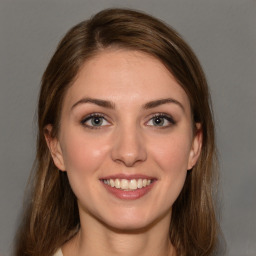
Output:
(125, 154)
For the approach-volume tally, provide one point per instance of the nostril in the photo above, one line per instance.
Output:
(129, 150)
(129, 157)
(128, 162)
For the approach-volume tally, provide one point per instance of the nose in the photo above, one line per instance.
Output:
(128, 147)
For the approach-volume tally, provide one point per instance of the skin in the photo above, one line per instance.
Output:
(128, 142)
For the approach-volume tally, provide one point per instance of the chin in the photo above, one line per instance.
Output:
(130, 221)
(128, 226)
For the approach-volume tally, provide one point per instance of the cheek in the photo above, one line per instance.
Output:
(172, 154)
(83, 154)
(83, 157)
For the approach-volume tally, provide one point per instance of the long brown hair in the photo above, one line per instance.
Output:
(51, 216)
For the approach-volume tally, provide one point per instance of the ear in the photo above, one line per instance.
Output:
(195, 147)
(54, 147)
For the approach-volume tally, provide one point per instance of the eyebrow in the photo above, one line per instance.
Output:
(156, 103)
(111, 105)
(101, 103)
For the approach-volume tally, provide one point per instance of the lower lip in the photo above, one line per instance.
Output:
(131, 194)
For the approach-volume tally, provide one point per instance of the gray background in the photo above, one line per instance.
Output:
(223, 35)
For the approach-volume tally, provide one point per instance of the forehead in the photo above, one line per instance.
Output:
(125, 77)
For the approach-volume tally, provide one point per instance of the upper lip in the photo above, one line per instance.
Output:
(128, 176)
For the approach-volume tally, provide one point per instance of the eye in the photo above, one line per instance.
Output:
(161, 120)
(95, 121)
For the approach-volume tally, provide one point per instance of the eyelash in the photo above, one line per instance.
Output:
(90, 117)
(169, 118)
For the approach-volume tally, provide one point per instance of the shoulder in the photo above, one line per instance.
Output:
(58, 253)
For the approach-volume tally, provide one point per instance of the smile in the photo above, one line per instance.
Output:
(127, 185)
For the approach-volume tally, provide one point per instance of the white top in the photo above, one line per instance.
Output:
(58, 253)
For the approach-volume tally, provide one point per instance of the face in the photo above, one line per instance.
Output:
(126, 139)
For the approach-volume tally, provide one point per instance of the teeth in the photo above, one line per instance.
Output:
(133, 184)
(112, 183)
(125, 184)
(139, 183)
(144, 182)
(117, 183)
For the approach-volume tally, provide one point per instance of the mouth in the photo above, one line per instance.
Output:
(128, 187)
(128, 184)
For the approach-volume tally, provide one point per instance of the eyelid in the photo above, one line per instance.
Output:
(168, 117)
(90, 116)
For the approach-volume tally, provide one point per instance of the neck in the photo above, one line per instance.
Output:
(95, 238)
